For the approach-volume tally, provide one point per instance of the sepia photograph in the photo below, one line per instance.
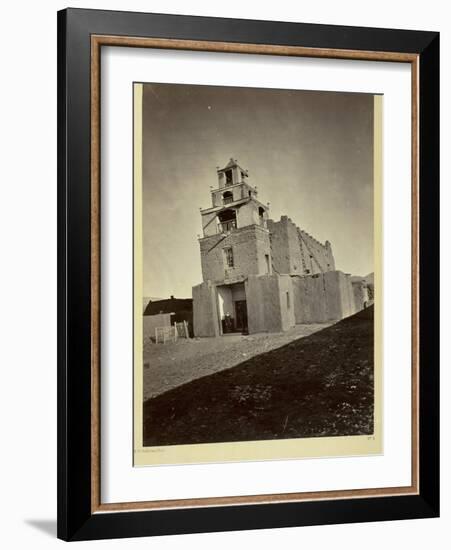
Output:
(257, 263)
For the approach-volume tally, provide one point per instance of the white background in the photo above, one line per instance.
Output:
(120, 481)
(28, 275)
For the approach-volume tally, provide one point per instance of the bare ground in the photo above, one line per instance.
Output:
(320, 385)
(167, 366)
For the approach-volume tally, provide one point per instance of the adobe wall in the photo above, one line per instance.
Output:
(352, 305)
(310, 304)
(339, 295)
(277, 302)
(267, 307)
(249, 245)
(205, 313)
(296, 252)
(247, 215)
(286, 253)
(323, 297)
(259, 293)
(286, 296)
(361, 296)
(318, 256)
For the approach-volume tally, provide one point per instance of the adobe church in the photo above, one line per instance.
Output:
(260, 275)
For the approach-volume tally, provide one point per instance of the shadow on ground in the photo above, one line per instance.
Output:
(317, 386)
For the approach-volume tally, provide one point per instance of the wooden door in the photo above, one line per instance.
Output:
(241, 315)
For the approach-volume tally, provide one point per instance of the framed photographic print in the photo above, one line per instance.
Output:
(248, 274)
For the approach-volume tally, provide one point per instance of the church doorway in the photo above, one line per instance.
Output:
(232, 308)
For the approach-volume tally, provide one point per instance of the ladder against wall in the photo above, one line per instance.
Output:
(172, 333)
(182, 329)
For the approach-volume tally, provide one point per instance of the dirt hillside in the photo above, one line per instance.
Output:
(319, 385)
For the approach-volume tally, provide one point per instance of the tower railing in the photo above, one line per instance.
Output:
(223, 227)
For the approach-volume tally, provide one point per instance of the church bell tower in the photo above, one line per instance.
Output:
(235, 238)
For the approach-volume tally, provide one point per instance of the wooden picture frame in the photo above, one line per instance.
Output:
(81, 35)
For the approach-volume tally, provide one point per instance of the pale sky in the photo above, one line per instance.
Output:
(309, 153)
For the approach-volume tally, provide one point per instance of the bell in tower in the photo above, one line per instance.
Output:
(231, 174)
